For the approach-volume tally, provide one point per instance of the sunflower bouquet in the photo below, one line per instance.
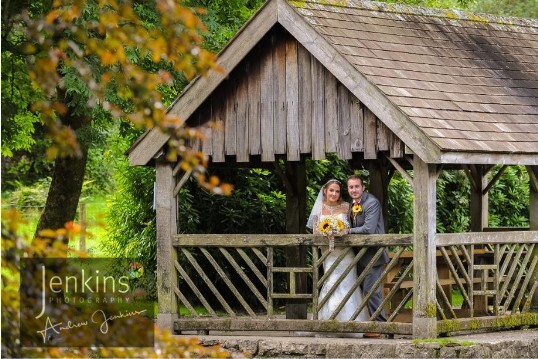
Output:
(330, 227)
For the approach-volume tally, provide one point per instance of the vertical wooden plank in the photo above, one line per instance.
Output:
(318, 100)
(424, 247)
(241, 100)
(218, 105)
(331, 116)
(370, 135)
(270, 288)
(383, 134)
(266, 108)
(305, 99)
(315, 279)
(357, 124)
(396, 146)
(533, 224)
(296, 223)
(292, 100)
(230, 121)
(254, 134)
(166, 254)
(279, 91)
(206, 117)
(344, 123)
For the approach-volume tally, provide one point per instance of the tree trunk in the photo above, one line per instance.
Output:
(64, 191)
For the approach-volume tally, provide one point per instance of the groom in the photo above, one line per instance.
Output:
(366, 216)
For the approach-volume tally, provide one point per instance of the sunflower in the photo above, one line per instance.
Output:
(357, 208)
(325, 225)
(340, 225)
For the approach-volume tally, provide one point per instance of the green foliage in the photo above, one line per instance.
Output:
(257, 205)
(130, 217)
(30, 196)
(509, 198)
(223, 19)
(453, 201)
(18, 122)
(400, 205)
(519, 8)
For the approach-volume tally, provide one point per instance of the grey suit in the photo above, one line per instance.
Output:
(370, 221)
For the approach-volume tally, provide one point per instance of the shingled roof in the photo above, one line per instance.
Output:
(456, 87)
(470, 82)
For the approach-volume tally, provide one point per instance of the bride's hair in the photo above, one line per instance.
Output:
(331, 181)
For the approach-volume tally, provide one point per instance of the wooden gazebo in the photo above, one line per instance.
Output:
(392, 87)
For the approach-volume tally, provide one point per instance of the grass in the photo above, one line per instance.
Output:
(95, 225)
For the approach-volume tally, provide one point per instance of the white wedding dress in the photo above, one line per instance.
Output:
(355, 299)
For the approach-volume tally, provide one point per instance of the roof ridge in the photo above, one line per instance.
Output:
(398, 8)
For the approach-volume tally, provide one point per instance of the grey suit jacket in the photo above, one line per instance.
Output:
(369, 221)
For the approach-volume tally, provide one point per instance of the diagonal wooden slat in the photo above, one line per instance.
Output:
(351, 266)
(465, 253)
(260, 255)
(184, 300)
(208, 282)
(460, 264)
(394, 289)
(193, 287)
(361, 278)
(456, 277)
(505, 258)
(329, 271)
(228, 282)
(252, 266)
(519, 277)
(400, 305)
(510, 274)
(446, 302)
(525, 284)
(383, 275)
(440, 310)
(527, 306)
(245, 278)
(334, 287)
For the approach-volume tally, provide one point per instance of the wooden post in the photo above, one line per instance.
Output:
(533, 223)
(296, 223)
(167, 278)
(479, 200)
(379, 185)
(479, 219)
(82, 221)
(424, 270)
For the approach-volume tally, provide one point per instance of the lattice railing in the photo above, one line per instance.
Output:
(242, 282)
(233, 281)
(490, 278)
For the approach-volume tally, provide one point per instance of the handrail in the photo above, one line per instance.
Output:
(285, 240)
(447, 239)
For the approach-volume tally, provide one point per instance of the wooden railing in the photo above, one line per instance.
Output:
(241, 283)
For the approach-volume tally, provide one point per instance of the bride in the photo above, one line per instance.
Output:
(329, 204)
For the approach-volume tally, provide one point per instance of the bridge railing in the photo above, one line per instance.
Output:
(241, 282)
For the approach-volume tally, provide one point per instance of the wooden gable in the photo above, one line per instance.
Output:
(281, 101)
